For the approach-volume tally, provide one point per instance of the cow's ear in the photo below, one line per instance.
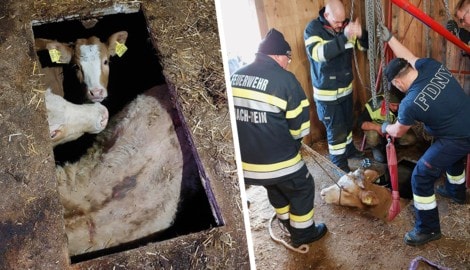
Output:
(56, 132)
(369, 198)
(371, 175)
(62, 51)
(116, 43)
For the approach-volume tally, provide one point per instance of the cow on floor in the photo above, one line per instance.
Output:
(357, 189)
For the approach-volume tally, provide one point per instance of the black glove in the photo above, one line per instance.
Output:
(453, 27)
(464, 35)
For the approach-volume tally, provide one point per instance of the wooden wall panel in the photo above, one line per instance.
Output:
(412, 32)
(291, 16)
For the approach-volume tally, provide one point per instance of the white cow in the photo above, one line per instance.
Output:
(68, 121)
(128, 184)
(91, 57)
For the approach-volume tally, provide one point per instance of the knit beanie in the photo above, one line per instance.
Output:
(274, 44)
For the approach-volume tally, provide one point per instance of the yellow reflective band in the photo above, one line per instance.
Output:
(255, 95)
(312, 39)
(295, 112)
(303, 218)
(456, 179)
(333, 92)
(424, 200)
(304, 126)
(271, 167)
(317, 52)
(337, 146)
(283, 210)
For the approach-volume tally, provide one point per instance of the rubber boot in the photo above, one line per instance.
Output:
(307, 235)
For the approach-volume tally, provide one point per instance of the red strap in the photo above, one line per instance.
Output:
(383, 108)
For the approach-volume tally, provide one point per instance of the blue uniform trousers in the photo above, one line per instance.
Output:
(444, 155)
(338, 120)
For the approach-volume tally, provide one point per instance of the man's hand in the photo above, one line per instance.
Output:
(383, 33)
(452, 27)
(353, 30)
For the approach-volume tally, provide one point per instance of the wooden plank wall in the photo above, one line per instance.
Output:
(291, 16)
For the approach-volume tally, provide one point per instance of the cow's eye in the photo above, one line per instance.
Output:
(106, 61)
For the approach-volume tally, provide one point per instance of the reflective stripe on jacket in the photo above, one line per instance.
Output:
(272, 116)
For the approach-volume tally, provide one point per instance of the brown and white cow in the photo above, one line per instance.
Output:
(91, 57)
(68, 121)
(357, 189)
(128, 184)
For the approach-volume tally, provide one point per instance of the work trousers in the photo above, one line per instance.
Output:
(444, 155)
(338, 120)
(293, 202)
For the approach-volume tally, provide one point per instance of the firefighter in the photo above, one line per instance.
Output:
(330, 40)
(435, 98)
(371, 119)
(272, 116)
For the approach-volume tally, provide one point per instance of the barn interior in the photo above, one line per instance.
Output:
(166, 45)
(355, 239)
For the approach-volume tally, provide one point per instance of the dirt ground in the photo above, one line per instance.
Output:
(356, 240)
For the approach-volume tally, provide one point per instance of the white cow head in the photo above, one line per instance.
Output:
(91, 57)
(354, 190)
(68, 121)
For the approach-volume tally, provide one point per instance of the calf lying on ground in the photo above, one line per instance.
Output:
(91, 57)
(358, 190)
(68, 121)
(128, 184)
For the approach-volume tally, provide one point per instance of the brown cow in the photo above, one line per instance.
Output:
(91, 57)
(358, 190)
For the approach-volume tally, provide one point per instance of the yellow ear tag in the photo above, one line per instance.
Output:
(55, 55)
(120, 48)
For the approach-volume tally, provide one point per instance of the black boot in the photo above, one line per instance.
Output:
(307, 235)
(442, 190)
(285, 225)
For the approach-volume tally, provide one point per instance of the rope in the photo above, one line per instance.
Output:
(446, 6)
(356, 64)
(371, 52)
(301, 249)
(426, 29)
(332, 166)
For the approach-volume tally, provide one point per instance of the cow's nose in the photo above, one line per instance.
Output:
(97, 94)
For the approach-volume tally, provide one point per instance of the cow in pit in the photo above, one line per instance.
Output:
(90, 57)
(68, 121)
(128, 184)
(357, 189)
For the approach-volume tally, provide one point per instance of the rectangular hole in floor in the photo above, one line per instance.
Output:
(140, 179)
